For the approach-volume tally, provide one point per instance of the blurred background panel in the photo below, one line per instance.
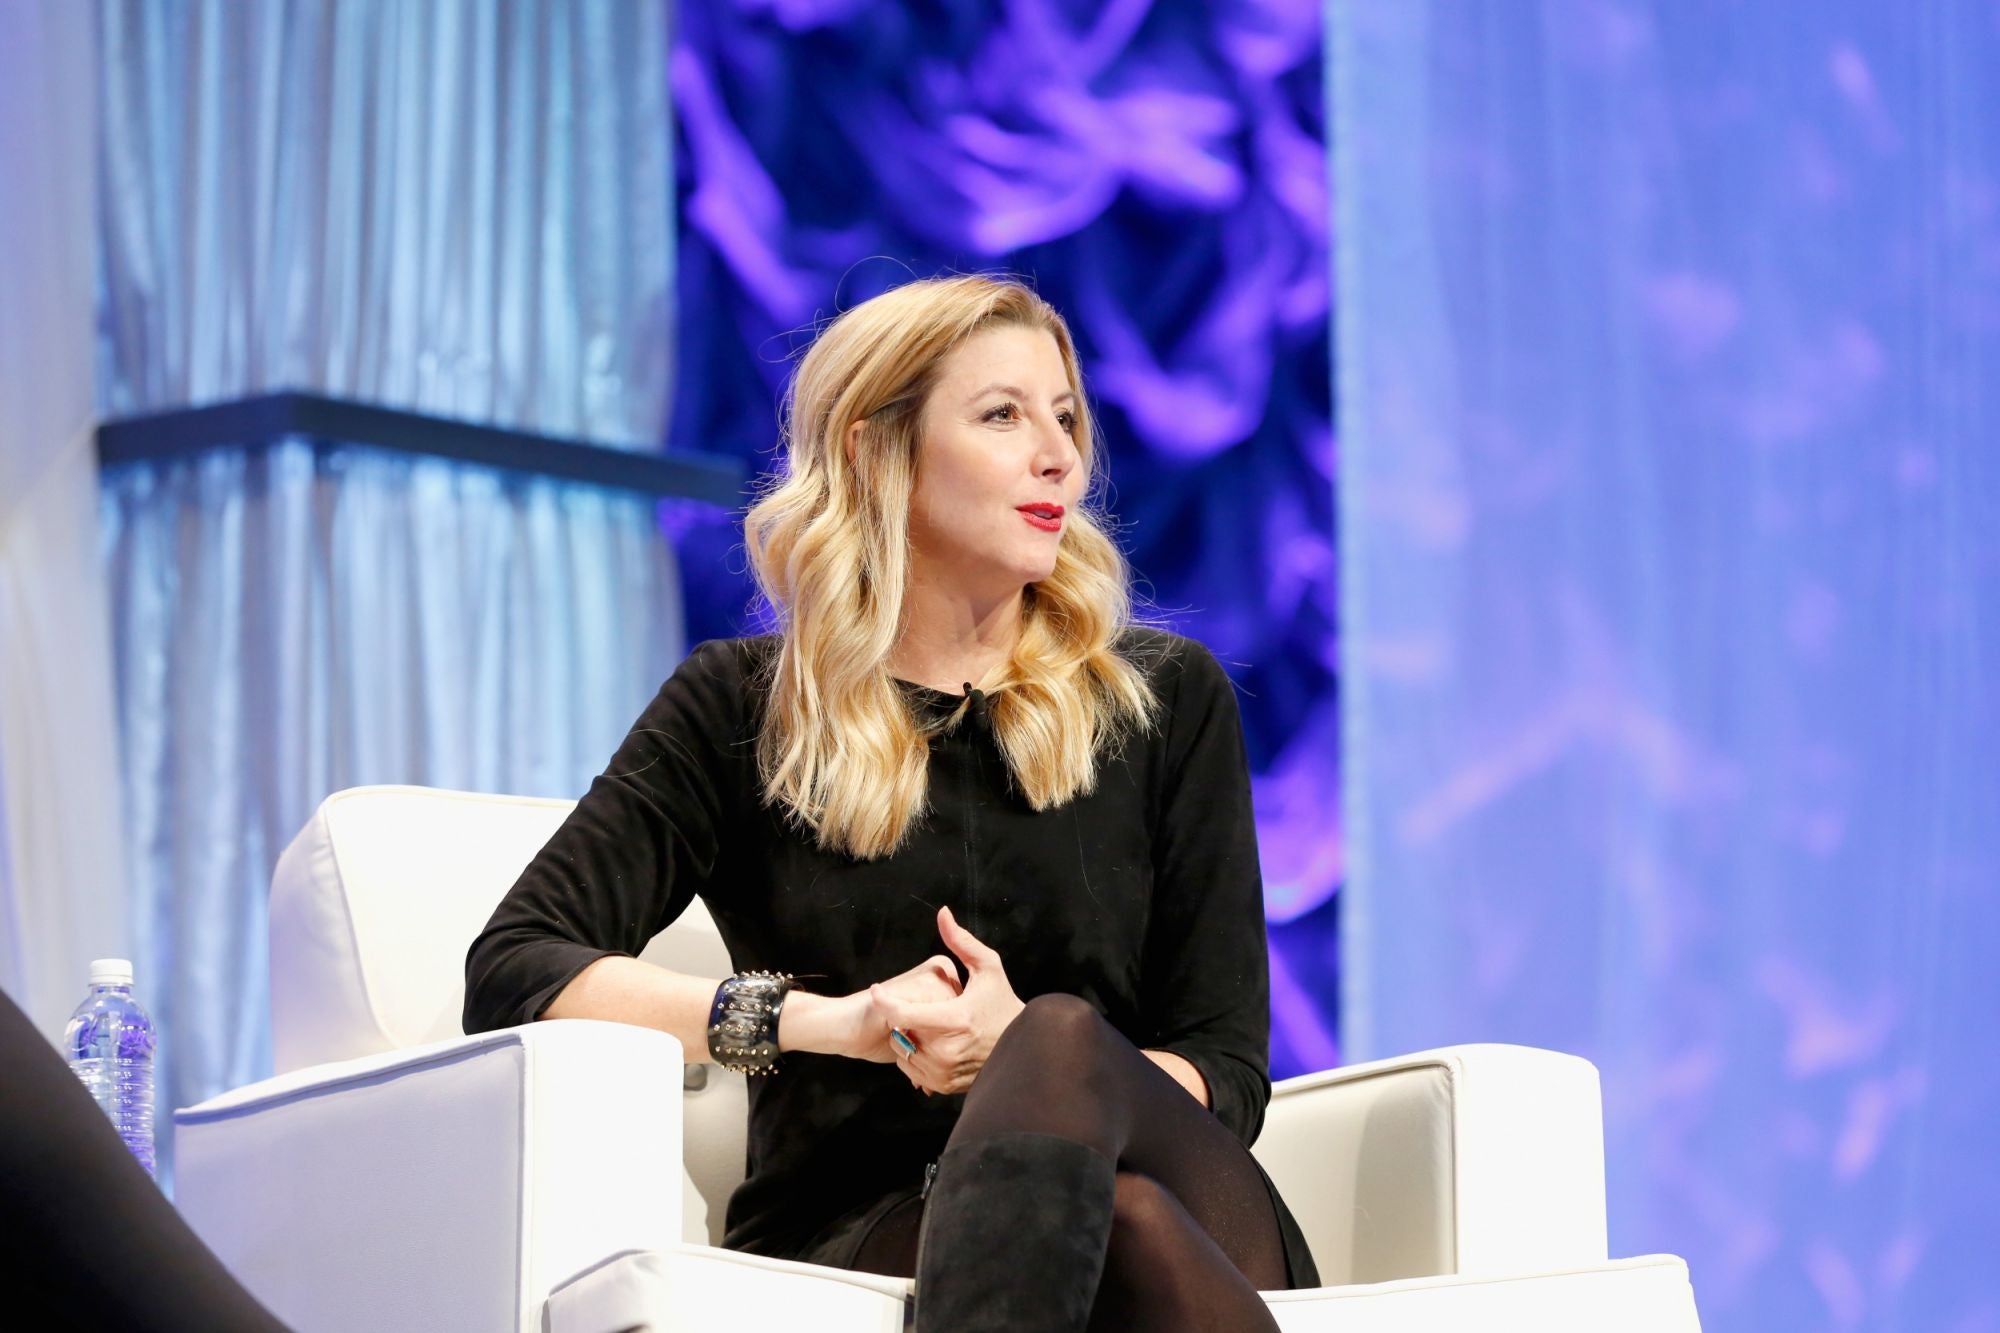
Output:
(1669, 345)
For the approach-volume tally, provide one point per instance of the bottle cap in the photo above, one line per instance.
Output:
(110, 971)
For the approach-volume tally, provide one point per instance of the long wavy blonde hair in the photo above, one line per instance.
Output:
(840, 748)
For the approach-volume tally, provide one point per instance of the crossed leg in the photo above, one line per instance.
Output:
(1193, 1233)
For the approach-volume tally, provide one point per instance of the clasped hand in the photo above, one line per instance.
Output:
(954, 1028)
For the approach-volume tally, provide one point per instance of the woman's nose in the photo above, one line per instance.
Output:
(1058, 452)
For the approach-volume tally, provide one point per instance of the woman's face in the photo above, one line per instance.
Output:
(999, 475)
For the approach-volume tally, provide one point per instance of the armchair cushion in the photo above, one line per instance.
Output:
(449, 1186)
(692, 1288)
(373, 906)
(1645, 1295)
(1472, 1160)
(698, 1288)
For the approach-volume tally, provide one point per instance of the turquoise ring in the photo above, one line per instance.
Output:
(902, 1041)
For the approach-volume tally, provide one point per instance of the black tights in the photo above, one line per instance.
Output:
(94, 1244)
(1194, 1237)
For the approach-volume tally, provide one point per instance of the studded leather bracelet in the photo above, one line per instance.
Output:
(743, 1021)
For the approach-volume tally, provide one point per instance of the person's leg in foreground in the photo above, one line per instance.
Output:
(92, 1243)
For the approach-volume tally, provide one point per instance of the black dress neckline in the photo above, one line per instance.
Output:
(935, 705)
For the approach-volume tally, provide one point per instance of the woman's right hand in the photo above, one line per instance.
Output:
(853, 1025)
(934, 979)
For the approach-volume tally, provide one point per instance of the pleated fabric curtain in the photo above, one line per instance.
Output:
(62, 874)
(1670, 383)
(459, 208)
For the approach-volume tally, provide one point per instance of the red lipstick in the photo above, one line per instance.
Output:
(1047, 517)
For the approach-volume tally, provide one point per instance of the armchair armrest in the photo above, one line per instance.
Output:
(1471, 1160)
(446, 1186)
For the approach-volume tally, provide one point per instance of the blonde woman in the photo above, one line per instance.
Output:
(982, 847)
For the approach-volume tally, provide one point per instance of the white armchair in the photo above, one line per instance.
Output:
(566, 1176)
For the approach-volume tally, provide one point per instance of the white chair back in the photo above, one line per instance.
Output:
(373, 906)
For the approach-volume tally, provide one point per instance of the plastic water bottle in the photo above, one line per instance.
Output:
(110, 1046)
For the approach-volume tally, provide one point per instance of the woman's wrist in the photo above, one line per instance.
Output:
(812, 1023)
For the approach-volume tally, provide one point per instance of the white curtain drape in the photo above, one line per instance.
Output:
(1670, 383)
(462, 208)
(62, 879)
(449, 205)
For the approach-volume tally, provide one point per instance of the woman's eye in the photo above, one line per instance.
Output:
(1005, 409)
(1068, 423)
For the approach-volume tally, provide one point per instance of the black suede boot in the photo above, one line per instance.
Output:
(1014, 1234)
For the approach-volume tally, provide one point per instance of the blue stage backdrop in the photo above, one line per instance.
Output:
(1670, 386)
(1159, 173)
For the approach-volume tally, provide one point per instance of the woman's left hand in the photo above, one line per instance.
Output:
(953, 1037)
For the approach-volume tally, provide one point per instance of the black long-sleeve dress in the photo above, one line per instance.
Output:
(1142, 897)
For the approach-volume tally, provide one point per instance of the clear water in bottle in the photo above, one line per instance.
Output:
(109, 1042)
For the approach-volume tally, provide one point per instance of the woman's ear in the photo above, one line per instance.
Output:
(853, 440)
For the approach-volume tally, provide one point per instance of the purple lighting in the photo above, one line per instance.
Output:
(1159, 172)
